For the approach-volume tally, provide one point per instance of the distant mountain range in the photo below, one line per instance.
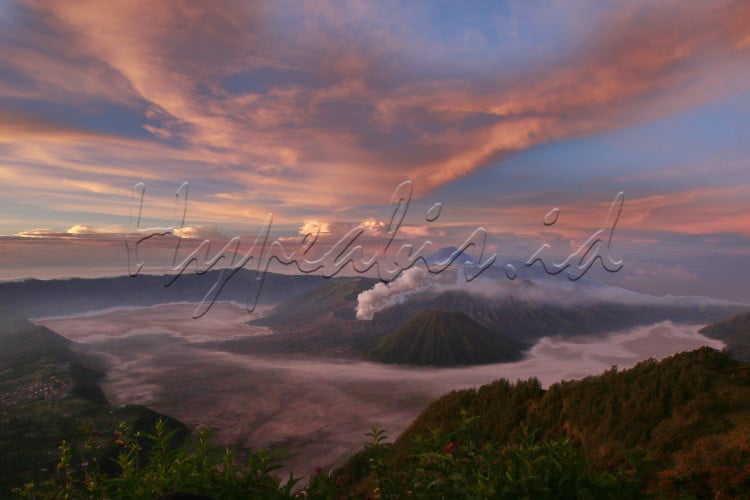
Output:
(317, 316)
(322, 321)
(40, 298)
(450, 253)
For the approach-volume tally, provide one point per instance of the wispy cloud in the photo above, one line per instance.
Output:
(315, 111)
(289, 106)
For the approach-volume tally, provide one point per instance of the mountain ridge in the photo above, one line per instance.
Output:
(677, 426)
(49, 391)
(438, 338)
(735, 332)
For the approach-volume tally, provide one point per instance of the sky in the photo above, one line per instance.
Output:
(316, 111)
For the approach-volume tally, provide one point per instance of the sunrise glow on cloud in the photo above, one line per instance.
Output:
(316, 111)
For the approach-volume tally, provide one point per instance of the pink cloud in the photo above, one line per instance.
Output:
(352, 126)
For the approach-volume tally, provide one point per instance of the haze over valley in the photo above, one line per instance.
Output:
(314, 407)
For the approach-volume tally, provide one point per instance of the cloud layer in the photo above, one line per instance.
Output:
(315, 111)
(290, 101)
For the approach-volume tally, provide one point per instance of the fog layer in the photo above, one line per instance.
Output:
(316, 409)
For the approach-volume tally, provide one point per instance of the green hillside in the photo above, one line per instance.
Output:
(440, 338)
(49, 392)
(680, 427)
(23, 342)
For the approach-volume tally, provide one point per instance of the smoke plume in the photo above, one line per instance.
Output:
(383, 295)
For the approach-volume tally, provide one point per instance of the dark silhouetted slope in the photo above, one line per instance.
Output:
(38, 298)
(683, 422)
(22, 342)
(735, 332)
(528, 311)
(48, 392)
(335, 297)
(444, 339)
(320, 322)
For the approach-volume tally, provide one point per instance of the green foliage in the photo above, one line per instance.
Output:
(442, 465)
(716, 467)
(376, 451)
(49, 392)
(164, 469)
(638, 422)
(453, 465)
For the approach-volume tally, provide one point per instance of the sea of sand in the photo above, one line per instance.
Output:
(316, 411)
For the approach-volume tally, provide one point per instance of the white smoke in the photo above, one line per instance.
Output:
(418, 280)
(383, 295)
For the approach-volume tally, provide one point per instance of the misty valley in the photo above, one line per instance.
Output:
(374, 250)
(320, 361)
